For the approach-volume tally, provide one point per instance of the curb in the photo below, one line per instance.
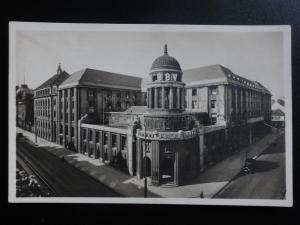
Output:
(235, 176)
(153, 195)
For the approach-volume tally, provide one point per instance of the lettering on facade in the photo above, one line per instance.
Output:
(167, 76)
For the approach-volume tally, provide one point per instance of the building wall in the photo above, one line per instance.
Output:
(91, 101)
(43, 111)
(229, 103)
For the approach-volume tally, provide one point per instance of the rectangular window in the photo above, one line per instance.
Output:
(214, 90)
(123, 142)
(90, 135)
(84, 133)
(97, 136)
(213, 104)
(213, 118)
(72, 131)
(194, 92)
(194, 104)
(91, 93)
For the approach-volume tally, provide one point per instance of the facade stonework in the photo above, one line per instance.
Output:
(169, 128)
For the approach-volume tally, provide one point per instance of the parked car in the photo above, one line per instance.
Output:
(249, 166)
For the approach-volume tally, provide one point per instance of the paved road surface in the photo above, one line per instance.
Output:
(268, 182)
(64, 178)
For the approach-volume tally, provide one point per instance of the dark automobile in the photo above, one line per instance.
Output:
(249, 166)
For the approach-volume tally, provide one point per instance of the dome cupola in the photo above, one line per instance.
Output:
(165, 62)
(166, 89)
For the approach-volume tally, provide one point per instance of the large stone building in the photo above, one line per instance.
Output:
(169, 126)
(92, 93)
(46, 106)
(24, 107)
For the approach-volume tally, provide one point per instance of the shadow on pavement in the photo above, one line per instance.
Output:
(264, 166)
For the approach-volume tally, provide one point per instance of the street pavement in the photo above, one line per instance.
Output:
(268, 181)
(66, 180)
(207, 184)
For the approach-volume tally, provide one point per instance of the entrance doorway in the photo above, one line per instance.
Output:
(167, 169)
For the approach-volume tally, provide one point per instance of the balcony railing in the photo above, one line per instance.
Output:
(179, 135)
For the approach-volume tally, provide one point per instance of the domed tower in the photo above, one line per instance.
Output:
(166, 89)
(166, 142)
(165, 96)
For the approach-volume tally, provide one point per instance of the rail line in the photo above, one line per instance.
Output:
(36, 172)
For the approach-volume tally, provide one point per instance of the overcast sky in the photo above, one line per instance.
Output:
(256, 56)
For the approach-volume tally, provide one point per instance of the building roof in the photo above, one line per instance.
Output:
(218, 73)
(56, 79)
(205, 73)
(276, 105)
(278, 112)
(165, 62)
(94, 77)
(23, 89)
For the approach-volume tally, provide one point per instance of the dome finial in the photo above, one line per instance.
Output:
(166, 50)
(59, 70)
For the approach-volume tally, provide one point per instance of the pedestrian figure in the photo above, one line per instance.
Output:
(201, 195)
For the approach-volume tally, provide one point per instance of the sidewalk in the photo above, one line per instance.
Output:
(209, 182)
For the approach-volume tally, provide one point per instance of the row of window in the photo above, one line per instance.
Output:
(212, 90)
(42, 107)
(42, 92)
(105, 138)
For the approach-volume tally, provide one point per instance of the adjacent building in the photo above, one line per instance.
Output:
(46, 106)
(24, 107)
(92, 93)
(278, 113)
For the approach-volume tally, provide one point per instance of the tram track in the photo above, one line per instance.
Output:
(61, 178)
(36, 172)
(42, 173)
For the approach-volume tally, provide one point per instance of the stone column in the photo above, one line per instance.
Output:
(87, 141)
(236, 101)
(155, 163)
(163, 97)
(182, 97)
(178, 98)
(150, 98)
(58, 117)
(79, 138)
(94, 142)
(129, 144)
(177, 180)
(242, 106)
(171, 98)
(76, 137)
(229, 108)
(109, 145)
(155, 98)
(69, 115)
(64, 115)
(201, 149)
(139, 159)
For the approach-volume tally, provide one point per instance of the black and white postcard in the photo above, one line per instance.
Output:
(160, 114)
